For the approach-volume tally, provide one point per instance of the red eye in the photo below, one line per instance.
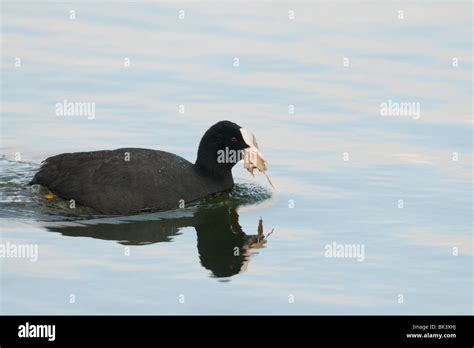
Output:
(234, 139)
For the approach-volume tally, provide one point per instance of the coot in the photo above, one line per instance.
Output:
(131, 180)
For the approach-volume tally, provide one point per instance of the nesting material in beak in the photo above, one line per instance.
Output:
(253, 158)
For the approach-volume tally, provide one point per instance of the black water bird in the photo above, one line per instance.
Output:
(133, 180)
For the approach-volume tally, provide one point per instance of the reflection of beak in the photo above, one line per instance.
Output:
(253, 158)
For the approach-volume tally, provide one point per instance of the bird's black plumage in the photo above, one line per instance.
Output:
(131, 180)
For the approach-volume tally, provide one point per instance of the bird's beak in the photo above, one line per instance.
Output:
(253, 157)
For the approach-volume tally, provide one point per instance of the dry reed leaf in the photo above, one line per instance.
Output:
(253, 158)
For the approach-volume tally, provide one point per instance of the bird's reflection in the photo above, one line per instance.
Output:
(223, 247)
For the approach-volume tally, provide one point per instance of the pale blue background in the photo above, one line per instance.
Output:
(337, 109)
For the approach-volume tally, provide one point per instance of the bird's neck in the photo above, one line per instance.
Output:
(207, 164)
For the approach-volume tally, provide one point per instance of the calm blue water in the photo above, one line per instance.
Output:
(399, 186)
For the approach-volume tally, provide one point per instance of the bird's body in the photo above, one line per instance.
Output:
(127, 180)
(131, 180)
